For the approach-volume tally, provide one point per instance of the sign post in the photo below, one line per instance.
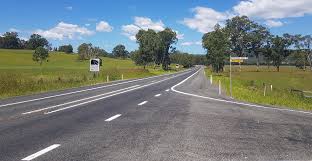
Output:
(235, 60)
(94, 65)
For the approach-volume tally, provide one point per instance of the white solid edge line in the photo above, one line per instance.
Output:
(113, 117)
(157, 95)
(51, 107)
(69, 93)
(232, 102)
(142, 103)
(61, 109)
(41, 152)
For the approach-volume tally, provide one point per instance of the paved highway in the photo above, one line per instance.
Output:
(171, 117)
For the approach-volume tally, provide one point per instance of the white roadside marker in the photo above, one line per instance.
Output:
(157, 95)
(113, 117)
(142, 103)
(41, 152)
(167, 90)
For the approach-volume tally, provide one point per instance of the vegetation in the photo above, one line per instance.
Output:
(120, 51)
(40, 55)
(20, 75)
(66, 49)
(155, 47)
(243, 37)
(248, 85)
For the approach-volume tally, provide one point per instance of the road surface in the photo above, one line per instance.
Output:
(171, 117)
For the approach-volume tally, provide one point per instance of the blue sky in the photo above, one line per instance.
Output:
(111, 22)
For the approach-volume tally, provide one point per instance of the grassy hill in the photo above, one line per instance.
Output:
(20, 75)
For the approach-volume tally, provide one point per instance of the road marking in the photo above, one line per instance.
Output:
(113, 117)
(142, 103)
(41, 152)
(157, 95)
(94, 88)
(51, 107)
(167, 90)
(226, 101)
(75, 105)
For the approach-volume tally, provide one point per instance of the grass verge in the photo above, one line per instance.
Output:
(248, 85)
(19, 75)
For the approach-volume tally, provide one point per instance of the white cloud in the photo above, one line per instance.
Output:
(205, 19)
(273, 23)
(130, 31)
(87, 24)
(103, 26)
(14, 30)
(190, 43)
(69, 8)
(141, 23)
(144, 23)
(179, 36)
(24, 38)
(274, 9)
(269, 11)
(64, 30)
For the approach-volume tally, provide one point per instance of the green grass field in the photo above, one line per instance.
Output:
(248, 85)
(20, 75)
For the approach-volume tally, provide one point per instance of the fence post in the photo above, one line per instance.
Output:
(107, 78)
(211, 79)
(264, 90)
(122, 77)
(271, 87)
(219, 87)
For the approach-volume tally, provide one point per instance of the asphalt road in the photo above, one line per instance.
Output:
(171, 117)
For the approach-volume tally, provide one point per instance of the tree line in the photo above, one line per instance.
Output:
(243, 37)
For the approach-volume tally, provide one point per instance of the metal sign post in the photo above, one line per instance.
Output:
(237, 60)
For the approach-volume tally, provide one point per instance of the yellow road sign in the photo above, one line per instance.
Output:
(237, 60)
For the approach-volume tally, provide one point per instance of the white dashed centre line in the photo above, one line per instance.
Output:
(142, 103)
(113, 117)
(157, 95)
(41, 152)
(167, 90)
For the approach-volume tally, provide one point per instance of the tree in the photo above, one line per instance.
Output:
(10, 40)
(40, 55)
(217, 45)
(36, 40)
(280, 50)
(257, 39)
(149, 47)
(137, 58)
(120, 51)
(66, 48)
(299, 55)
(238, 29)
(308, 50)
(84, 51)
(167, 38)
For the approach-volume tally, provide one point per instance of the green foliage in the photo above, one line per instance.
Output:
(87, 51)
(36, 41)
(10, 40)
(66, 48)
(154, 47)
(120, 51)
(248, 85)
(40, 55)
(217, 45)
(167, 38)
(149, 48)
(23, 76)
